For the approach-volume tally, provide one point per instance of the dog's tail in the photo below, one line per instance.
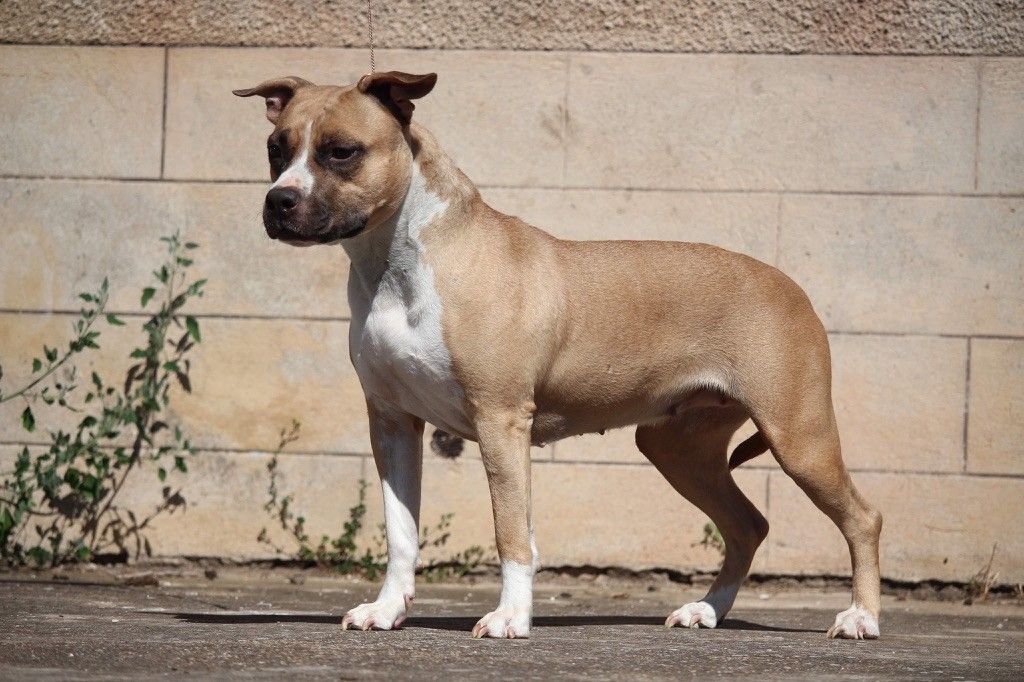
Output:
(747, 450)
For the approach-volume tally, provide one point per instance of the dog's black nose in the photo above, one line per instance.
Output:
(281, 200)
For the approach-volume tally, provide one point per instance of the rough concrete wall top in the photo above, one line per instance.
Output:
(990, 27)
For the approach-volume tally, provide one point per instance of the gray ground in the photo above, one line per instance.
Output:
(249, 623)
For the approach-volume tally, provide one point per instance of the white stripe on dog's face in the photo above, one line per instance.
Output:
(298, 174)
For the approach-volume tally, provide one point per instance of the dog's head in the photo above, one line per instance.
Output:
(340, 159)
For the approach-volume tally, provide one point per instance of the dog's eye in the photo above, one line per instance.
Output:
(339, 153)
(274, 151)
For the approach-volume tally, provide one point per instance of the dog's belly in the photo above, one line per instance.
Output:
(401, 358)
(553, 425)
(593, 403)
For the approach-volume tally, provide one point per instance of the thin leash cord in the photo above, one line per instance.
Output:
(369, 26)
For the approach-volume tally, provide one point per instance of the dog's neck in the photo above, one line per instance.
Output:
(438, 193)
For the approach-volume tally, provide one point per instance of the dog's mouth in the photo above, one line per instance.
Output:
(330, 235)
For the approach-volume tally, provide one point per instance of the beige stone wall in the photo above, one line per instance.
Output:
(890, 187)
(981, 27)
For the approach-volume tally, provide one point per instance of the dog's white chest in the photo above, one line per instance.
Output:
(400, 356)
(397, 339)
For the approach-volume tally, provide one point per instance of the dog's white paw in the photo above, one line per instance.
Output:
(383, 614)
(505, 622)
(693, 615)
(854, 623)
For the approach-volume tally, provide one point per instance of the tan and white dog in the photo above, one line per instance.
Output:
(497, 332)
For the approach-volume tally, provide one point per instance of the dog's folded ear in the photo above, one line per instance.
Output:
(278, 93)
(395, 89)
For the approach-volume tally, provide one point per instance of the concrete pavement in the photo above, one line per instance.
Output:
(258, 624)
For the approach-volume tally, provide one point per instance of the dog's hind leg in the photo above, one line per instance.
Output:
(805, 441)
(691, 452)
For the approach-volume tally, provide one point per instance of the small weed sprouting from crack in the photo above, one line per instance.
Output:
(62, 502)
(712, 539)
(343, 552)
(983, 581)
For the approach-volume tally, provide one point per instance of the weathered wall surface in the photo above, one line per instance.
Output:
(890, 187)
(989, 27)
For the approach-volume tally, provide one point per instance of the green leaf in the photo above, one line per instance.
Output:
(179, 464)
(161, 473)
(183, 343)
(138, 353)
(28, 420)
(6, 522)
(195, 289)
(24, 459)
(73, 477)
(130, 377)
(114, 320)
(147, 294)
(91, 488)
(184, 381)
(193, 328)
(86, 297)
(39, 555)
(191, 245)
(51, 353)
(36, 365)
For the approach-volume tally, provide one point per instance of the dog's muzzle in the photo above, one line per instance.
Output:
(288, 217)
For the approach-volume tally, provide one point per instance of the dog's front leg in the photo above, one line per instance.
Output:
(505, 447)
(397, 442)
